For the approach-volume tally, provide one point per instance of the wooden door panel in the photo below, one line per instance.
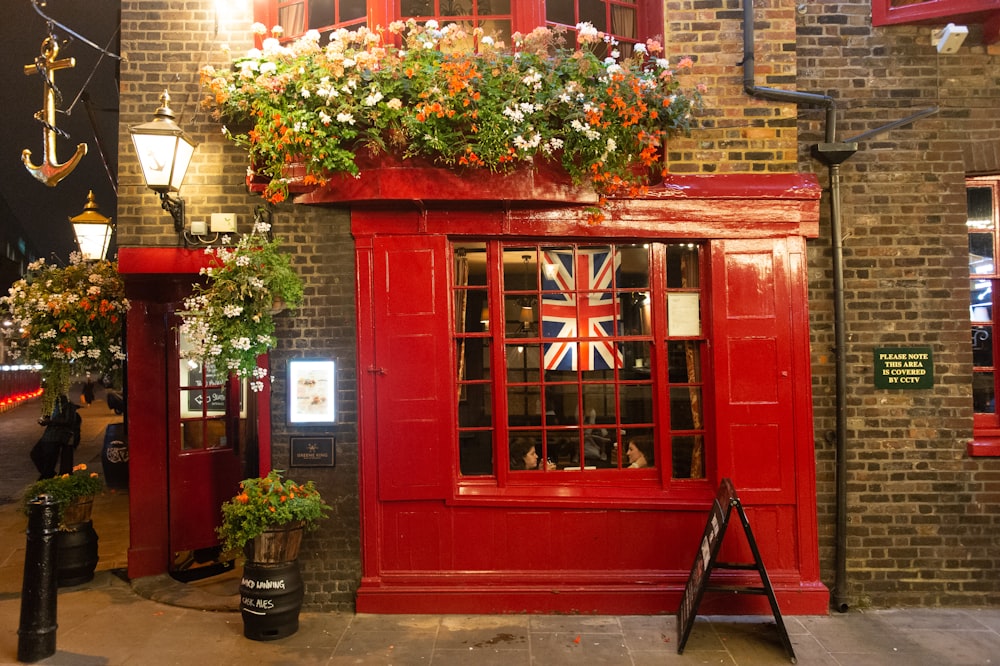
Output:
(412, 367)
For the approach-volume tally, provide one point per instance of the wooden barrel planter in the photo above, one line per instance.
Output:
(271, 589)
(76, 554)
(270, 600)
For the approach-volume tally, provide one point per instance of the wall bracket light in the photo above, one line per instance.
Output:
(164, 152)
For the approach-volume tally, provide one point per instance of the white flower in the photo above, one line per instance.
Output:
(345, 118)
(431, 24)
(268, 68)
(639, 48)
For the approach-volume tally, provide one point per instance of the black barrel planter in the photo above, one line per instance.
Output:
(76, 554)
(114, 456)
(270, 600)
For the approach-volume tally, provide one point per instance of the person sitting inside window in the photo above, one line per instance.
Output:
(640, 452)
(524, 456)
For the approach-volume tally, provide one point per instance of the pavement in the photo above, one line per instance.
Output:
(157, 621)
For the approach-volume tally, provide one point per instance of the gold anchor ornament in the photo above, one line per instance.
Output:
(50, 172)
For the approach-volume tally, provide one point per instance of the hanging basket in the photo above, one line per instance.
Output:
(275, 546)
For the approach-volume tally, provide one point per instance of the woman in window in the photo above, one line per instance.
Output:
(524, 456)
(640, 452)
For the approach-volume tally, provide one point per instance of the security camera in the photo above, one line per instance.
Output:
(949, 38)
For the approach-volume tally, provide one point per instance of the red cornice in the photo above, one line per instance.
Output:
(161, 260)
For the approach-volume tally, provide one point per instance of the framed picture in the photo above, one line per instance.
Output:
(312, 391)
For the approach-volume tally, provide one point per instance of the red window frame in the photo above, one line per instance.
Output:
(505, 290)
(525, 16)
(984, 285)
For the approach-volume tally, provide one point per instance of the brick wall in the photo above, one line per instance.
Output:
(736, 133)
(165, 45)
(923, 516)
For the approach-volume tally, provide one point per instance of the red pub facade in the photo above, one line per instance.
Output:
(440, 296)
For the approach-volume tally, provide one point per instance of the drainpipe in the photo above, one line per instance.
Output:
(835, 159)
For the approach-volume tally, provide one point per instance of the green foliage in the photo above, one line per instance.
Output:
(69, 321)
(268, 502)
(64, 488)
(229, 321)
(460, 100)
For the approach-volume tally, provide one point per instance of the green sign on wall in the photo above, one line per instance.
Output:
(904, 368)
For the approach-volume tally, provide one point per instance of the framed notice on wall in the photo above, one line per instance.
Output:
(312, 390)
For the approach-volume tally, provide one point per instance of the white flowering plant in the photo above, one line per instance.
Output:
(459, 100)
(69, 320)
(229, 320)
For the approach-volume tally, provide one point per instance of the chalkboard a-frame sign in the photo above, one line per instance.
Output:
(705, 561)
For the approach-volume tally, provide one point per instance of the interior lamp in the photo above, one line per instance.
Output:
(93, 230)
(164, 152)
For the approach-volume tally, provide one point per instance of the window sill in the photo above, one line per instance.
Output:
(981, 447)
(693, 494)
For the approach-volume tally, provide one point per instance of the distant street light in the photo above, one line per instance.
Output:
(93, 230)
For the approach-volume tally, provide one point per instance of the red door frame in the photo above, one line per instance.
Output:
(156, 281)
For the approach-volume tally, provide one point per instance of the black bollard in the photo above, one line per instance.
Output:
(36, 635)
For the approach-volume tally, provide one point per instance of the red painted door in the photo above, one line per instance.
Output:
(207, 427)
(411, 366)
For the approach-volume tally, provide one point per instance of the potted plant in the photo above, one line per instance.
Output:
(73, 494)
(266, 519)
(69, 320)
(457, 99)
(76, 541)
(264, 507)
(229, 320)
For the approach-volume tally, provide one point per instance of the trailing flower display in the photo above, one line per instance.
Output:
(420, 90)
(269, 502)
(69, 320)
(229, 321)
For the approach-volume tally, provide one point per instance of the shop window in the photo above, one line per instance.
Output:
(583, 358)
(621, 19)
(984, 279)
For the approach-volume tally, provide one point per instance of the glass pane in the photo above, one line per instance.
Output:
(623, 21)
(637, 403)
(980, 204)
(475, 406)
(685, 408)
(981, 301)
(599, 446)
(599, 403)
(682, 266)
(522, 363)
(321, 13)
(983, 393)
(684, 361)
(637, 359)
(469, 311)
(496, 28)
(594, 12)
(292, 19)
(475, 452)
(351, 10)
(561, 404)
(982, 346)
(981, 254)
(524, 405)
(633, 307)
(561, 11)
(688, 457)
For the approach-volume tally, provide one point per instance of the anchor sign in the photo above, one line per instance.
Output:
(50, 172)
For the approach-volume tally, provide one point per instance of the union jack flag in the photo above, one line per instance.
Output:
(573, 309)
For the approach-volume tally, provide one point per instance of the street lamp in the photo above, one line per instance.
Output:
(164, 152)
(93, 230)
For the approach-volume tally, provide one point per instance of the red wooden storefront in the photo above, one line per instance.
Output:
(705, 354)
(447, 525)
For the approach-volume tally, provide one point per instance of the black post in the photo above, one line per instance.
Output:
(36, 635)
